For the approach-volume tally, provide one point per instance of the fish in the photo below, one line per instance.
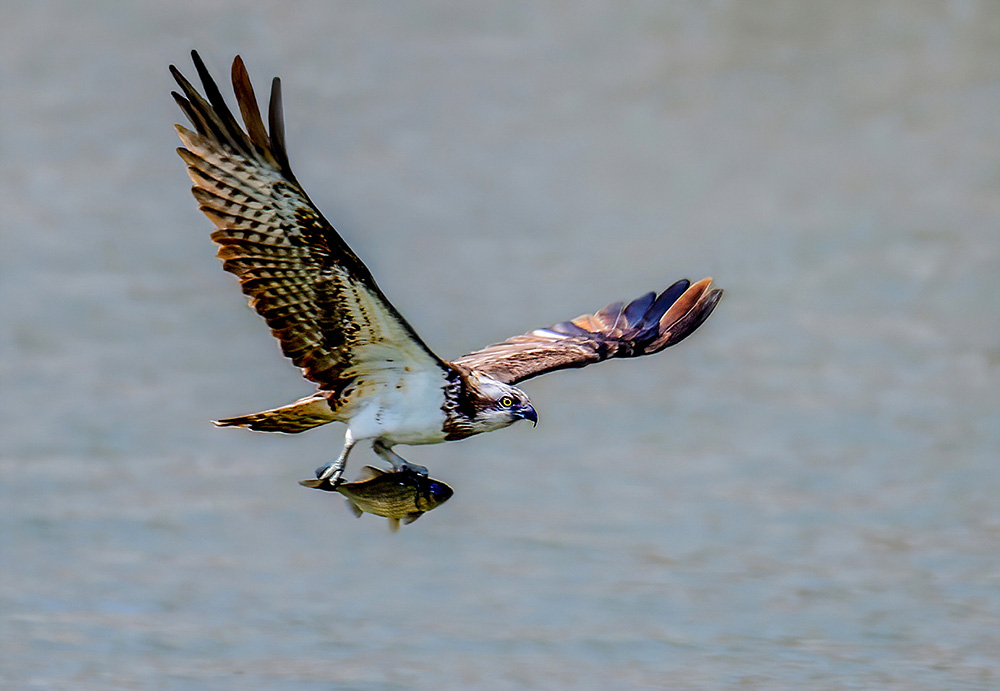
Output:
(397, 495)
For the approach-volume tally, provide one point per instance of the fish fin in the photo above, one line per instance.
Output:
(368, 472)
(354, 509)
(410, 517)
(316, 483)
(393, 524)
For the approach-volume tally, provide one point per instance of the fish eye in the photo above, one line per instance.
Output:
(506, 402)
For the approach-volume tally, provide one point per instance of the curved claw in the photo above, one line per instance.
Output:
(413, 468)
(334, 470)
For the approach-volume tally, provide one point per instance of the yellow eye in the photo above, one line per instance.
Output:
(506, 401)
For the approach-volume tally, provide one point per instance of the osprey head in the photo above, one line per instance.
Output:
(498, 404)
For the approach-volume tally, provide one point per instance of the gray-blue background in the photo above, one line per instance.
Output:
(804, 494)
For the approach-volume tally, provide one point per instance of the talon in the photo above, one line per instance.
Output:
(331, 472)
(413, 468)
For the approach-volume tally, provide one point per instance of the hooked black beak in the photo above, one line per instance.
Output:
(526, 412)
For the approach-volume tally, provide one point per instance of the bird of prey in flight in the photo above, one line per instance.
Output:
(373, 371)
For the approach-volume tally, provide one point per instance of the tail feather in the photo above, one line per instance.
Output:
(299, 416)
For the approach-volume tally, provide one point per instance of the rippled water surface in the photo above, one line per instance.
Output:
(802, 495)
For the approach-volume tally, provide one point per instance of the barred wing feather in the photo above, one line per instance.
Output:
(319, 299)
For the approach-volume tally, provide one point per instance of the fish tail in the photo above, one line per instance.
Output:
(316, 483)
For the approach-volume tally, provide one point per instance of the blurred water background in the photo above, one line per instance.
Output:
(802, 495)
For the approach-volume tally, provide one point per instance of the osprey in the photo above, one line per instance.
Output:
(373, 371)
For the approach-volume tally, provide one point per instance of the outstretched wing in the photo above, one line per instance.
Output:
(644, 326)
(319, 299)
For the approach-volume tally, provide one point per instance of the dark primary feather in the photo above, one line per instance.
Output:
(646, 325)
(319, 299)
(246, 99)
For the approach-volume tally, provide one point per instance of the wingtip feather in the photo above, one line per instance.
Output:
(635, 311)
(684, 302)
(687, 314)
(276, 121)
(246, 99)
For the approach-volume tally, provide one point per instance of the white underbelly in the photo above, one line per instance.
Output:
(403, 408)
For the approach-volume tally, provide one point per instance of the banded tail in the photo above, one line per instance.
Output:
(305, 413)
